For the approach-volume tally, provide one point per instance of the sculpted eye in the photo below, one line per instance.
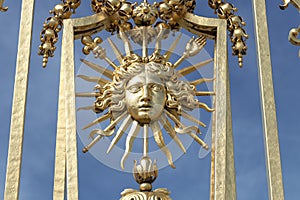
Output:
(156, 87)
(134, 88)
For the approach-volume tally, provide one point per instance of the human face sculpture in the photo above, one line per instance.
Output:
(145, 97)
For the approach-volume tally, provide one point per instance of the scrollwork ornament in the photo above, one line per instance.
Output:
(234, 25)
(53, 25)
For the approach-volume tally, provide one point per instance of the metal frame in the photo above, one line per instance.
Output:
(222, 172)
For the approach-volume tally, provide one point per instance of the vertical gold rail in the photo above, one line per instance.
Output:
(67, 62)
(60, 151)
(14, 159)
(272, 152)
(223, 172)
(66, 145)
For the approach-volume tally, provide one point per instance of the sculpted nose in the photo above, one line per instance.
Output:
(146, 94)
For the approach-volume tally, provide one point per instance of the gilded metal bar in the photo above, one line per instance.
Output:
(223, 172)
(60, 151)
(269, 120)
(14, 159)
(222, 186)
(67, 63)
(230, 174)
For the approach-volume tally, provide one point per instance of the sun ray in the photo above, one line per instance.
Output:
(201, 80)
(98, 120)
(193, 47)
(158, 40)
(109, 129)
(146, 140)
(110, 62)
(134, 130)
(191, 118)
(190, 69)
(196, 138)
(93, 79)
(106, 72)
(205, 106)
(161, 143)
(145, 48)
(87, 94)
(168, 127)
(96, 139)
(120, 133)
(127, 45)
(172, 117)
(116, 50)
(181, 129)
(86, 108)
(168, 54)
(204, 93)
(101, 133)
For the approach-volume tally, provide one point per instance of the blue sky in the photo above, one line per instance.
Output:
(191, 178)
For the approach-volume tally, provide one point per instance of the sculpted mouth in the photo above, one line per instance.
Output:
(145, 107)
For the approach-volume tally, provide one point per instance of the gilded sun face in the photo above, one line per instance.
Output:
(145, 97)
(149, 95)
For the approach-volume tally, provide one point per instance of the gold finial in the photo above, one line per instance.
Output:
(145, 174)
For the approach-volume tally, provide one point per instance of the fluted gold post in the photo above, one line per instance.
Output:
(14, 159)
(67, 62)
(272, 151)
(222, 166)
(66, 146)
(60, 151)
